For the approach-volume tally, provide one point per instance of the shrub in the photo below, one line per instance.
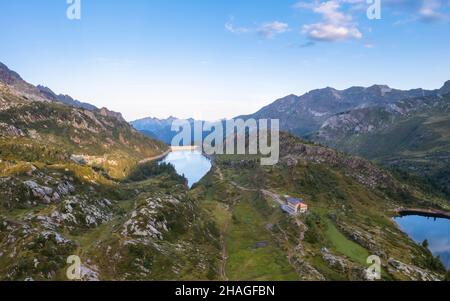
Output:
(152, 169)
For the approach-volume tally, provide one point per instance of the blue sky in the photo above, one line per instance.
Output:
(211, 59)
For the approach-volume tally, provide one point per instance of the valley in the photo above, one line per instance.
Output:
(404, 130)
(78, 180)
(330, 242)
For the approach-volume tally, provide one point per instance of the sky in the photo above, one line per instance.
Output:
(212, 59)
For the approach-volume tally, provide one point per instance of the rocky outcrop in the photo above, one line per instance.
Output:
(412, 273)
(370, 120)
(107, 113)
(77, 212)
(293, 151)
(50, 250)
(343, 265)
(7, 130)
(45, 194)
(146, 221)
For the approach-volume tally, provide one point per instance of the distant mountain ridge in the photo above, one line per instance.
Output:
(411, 135)
(160, 129)
(15, 85)
(19, 87)
(35, 124)
(407, 130)
(66, 99)
(41, 93)
(8, 76)
(304, 115)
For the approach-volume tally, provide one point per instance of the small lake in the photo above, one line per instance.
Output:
(190, 163)
(435, 230)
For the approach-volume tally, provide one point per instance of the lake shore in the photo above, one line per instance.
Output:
(155, 158)
(423, 212)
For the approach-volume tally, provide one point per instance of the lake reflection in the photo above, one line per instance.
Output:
(436, 231)
(192, 164)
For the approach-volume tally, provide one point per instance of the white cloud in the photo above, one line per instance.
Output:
(430, 11)
(269, 30)
(229, 26)
(331, 32)
(305, 5)
(335, 26)
(427, 11)
(330, 12)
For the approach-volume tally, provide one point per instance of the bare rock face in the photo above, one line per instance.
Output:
(65, 188)
(7, 76)
(146, 222)
(306, 271)
(446, 88)
(293, 151)
(7, 130)
(78, 159)
(107, 113)
(343, 265)
(45, 194)
(412, 272)
(80, 212)
(20, 87)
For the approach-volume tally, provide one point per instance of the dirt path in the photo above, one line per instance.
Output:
(219, 171)
(274, 196)
(223, 266)
(242, 188)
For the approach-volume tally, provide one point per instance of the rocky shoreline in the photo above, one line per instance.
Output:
(423, 212)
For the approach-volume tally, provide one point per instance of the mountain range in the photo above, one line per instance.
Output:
(65, 99)
(75, 181)
(304, 115)
(160, 129)
(33, 119)
(411, 135)
(402, 129)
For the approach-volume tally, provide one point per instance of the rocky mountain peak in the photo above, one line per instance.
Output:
(445, 88)
(107, 113)
(380, 89)
(47, 92)
(8, 76)
(65, 99)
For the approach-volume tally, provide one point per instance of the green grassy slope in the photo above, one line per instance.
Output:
(52, 133)
(350, 218)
